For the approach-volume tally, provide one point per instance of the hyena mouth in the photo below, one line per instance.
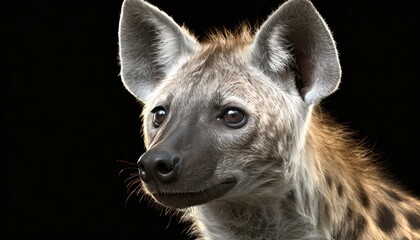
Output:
(189, 199)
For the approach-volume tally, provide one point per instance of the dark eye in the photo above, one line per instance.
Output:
(234, 118)
(159, 115)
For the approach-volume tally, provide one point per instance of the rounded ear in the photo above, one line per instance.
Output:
(150, 44)
(297, 33)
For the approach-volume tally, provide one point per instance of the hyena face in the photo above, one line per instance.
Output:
(222, 118)
(207, 129)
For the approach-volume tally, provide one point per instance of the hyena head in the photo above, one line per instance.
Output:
(224, 119)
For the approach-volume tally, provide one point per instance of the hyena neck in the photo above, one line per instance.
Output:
(241, 221)
(329, 176)
(338, 188)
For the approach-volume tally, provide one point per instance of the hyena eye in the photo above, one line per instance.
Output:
(234, 118)
(159, 115)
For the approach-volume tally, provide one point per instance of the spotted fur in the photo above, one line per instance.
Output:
(298, 175)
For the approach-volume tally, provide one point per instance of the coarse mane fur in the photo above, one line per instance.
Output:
(242, 35)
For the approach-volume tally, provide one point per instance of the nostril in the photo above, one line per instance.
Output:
(162, 167)
(167, 170)
(166, 166)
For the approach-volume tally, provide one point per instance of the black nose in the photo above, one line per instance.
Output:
(160, 165)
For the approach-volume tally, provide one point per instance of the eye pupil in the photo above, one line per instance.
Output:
(234, 118)
(159, 116)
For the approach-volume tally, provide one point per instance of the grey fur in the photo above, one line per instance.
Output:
(145, 36)
(274, 197)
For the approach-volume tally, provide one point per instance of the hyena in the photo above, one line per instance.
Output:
(235, 137)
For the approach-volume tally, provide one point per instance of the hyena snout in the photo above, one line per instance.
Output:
(162, 166)
(181, 169)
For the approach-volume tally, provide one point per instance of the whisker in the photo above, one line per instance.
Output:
(129, 172)
(135, 182)
(139, 191)
(134, 176)
(131, 193)
(126, 169)
(126, 162)
(141, 197)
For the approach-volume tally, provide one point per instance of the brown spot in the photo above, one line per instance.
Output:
(363, 197)
(329, 180)
(338, 234)
(353, 226)
(413, 219)
(393, 195)
(326, 211)
(349, 213)
(359, 227)
(340, 190)
(385, 219)
(291, 196)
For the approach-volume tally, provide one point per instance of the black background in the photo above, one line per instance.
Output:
(66, 118)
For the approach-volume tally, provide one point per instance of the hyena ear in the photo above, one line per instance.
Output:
(297, 34)
(150, 44)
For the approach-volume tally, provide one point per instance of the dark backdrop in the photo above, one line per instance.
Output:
(66, 118)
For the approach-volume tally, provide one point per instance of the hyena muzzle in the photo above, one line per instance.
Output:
(234, 137)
